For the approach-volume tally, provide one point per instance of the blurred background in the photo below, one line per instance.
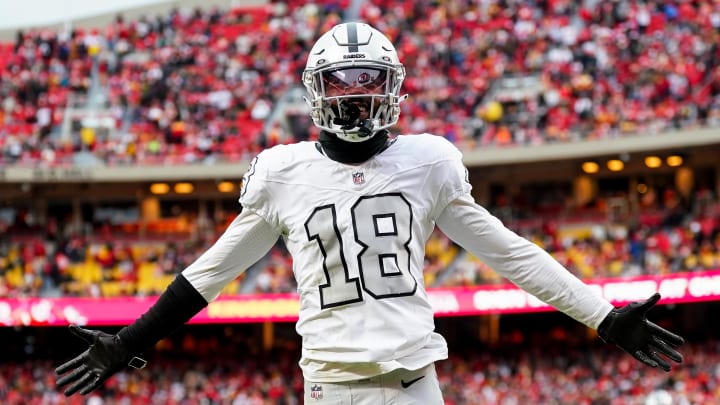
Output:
(590, 127)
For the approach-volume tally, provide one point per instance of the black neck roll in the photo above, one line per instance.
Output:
(352, 152)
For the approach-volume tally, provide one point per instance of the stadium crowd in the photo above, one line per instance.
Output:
(202, 373)
(607, 68)
(199, 86)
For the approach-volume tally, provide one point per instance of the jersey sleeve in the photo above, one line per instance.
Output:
(244, 242)
(522, 262)
(255, 194)
(449, 175)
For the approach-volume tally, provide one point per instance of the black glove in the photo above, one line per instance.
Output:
(106, 356)
(628, 328)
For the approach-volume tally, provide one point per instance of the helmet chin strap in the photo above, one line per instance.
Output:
(352, 152)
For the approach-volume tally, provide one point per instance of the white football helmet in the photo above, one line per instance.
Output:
(353, 77)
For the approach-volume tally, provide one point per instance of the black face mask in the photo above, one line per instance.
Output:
(352, 152)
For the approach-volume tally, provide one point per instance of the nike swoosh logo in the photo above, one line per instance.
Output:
(411, 382)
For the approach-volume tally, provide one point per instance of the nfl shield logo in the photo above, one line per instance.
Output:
(316, 392)
(358, 178)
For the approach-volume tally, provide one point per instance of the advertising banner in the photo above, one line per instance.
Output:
(478, 300)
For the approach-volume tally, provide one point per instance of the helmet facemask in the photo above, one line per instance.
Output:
(354, 94)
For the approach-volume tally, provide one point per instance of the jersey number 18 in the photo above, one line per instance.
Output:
(382, 226)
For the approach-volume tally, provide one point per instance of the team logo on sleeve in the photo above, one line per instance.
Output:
(358, 177)
(316, 391)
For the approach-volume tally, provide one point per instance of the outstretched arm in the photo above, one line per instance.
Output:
(534, 270)
(521, 261)
(245, 241)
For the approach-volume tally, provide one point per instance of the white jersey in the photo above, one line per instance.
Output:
(357, 235)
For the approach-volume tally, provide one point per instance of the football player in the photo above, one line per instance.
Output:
(355, 209)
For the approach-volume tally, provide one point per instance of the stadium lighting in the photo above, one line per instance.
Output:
(184, 188)
(653, 162)
(674, 160)
(226, 187)
(590, 167)
(159, 188)
(615, 165)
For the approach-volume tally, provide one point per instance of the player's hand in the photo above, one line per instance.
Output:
(628, 328)
(88, 371)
